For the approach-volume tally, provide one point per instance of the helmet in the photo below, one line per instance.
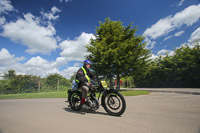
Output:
(87, 62)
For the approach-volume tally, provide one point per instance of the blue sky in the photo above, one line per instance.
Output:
(41, 37)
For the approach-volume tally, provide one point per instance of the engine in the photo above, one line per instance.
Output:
(93, 103)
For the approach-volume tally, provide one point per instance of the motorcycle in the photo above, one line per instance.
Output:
(112, 100)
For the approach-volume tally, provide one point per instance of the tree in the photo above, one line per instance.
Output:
(54, 80)
(187, 62)
(116, 50)
(10, 74)
(73, 77)
(27, 83)
(9, 85)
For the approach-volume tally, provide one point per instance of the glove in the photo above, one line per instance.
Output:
(90, 84)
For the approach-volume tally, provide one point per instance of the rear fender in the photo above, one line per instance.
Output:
(69, 91)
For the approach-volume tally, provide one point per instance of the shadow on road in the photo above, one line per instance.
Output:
(83, 113)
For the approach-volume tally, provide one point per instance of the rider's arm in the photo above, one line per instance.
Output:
(90, 74)
(81, 77)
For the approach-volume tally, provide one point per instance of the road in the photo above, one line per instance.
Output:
(157, 112)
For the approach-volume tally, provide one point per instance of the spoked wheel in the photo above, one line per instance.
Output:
(74, 99)
(114, 103)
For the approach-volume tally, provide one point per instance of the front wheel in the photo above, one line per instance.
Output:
(114, 103)
(74, 98)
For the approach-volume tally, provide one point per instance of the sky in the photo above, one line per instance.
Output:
(42, 37)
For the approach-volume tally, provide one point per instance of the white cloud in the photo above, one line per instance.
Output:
(65, 0)
(69, 71)
(9, 61)
(2, 21)
(188, 17)
(181, 3)
(195, 37)
(55, 10)
(150, 43)
(164, 52)
(36, 62)
(39, 66)
(167, 38)
(51, 15)
(163, 26)
(74, 49)
(153, 57)
(179, 33)
(76, 64)
(171, 36)
(6, 59)
(30, 33)
(59, 62)
(6, 6)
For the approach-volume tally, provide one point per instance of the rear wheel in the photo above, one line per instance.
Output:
(74, 98)
(114, 103)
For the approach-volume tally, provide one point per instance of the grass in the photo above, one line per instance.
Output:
(62, 94)
(56, 94)
(133, 92)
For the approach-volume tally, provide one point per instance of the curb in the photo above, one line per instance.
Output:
(168, 91)
(180, 92)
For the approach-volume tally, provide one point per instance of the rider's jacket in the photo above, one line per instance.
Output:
(83, 76)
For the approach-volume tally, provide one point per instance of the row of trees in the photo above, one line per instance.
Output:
(13, 83)
(180, 70)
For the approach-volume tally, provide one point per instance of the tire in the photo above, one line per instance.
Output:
(74, 98)
(114, 103)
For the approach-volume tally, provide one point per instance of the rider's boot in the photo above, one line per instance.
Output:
(83, 105)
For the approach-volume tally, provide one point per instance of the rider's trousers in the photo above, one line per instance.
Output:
(84, 91)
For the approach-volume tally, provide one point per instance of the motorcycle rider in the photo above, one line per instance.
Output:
(83, 76)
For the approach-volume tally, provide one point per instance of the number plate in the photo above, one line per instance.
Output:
(104, 84)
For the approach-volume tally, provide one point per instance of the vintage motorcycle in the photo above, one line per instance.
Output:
(112, 100)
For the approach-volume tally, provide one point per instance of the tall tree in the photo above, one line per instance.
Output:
(10, 74)
(116, 50)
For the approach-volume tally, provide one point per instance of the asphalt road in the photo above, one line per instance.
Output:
(157, 112)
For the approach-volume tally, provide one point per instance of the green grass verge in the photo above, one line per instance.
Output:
(62, 94)
(133, 92)
(56, 94)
